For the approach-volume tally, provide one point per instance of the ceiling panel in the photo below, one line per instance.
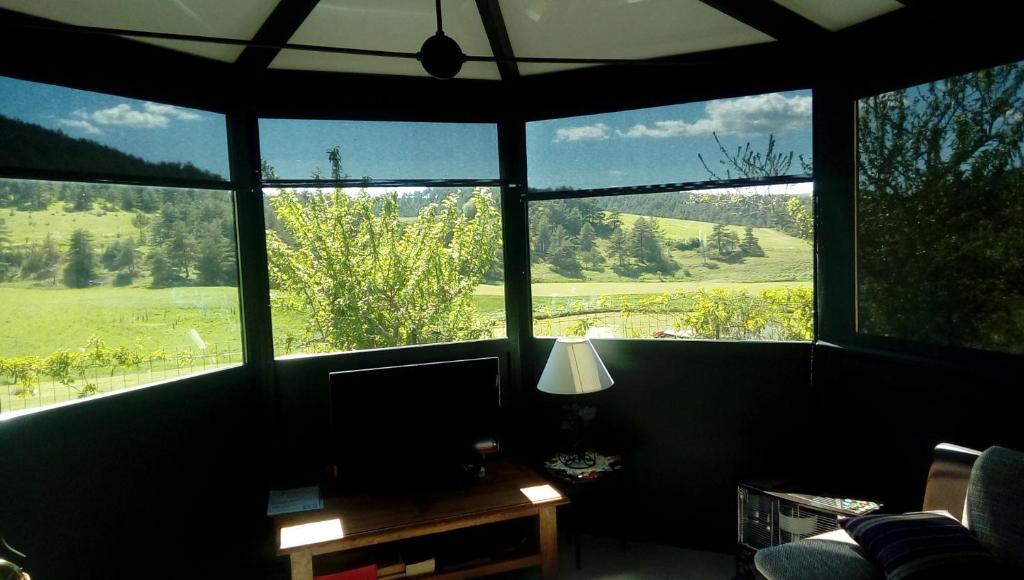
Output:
(835, 15)
(618, 29)
(394, 25)
(222, 18)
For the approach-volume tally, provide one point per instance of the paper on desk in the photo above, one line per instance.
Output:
(299, 499)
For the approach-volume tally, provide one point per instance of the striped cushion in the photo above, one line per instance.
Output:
(924, 545)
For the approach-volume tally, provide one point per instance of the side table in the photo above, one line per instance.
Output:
(580, 485)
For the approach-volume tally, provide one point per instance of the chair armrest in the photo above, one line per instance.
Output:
(948, 477)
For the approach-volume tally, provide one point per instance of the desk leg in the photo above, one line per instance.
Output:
(302, 565)
(548, 539)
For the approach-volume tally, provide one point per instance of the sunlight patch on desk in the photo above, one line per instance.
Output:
(312, 533)
(541, 493)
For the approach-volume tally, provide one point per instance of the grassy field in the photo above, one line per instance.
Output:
(39, 321)
(32, 226)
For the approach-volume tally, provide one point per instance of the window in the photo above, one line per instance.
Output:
(409, 253)
(105, 286)
(620, 247)
(940, 212)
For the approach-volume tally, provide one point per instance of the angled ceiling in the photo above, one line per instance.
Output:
(508, 29)
(222, 18)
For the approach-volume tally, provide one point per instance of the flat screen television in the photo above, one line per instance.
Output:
(414, 425)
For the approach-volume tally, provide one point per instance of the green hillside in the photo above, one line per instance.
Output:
(786, 259)
(29, 145)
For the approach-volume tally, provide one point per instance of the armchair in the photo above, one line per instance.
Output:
(984, 490)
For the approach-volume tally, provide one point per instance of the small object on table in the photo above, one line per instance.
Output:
(601, 464)
(299, 499)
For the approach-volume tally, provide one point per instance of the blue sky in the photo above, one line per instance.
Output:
(381, 149)
(638, 147)
(153, 131)
(661, 144)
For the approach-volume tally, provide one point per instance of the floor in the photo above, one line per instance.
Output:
(607, 559)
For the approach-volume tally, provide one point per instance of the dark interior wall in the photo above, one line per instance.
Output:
(889, 411)
(690, 420)
(146, 483)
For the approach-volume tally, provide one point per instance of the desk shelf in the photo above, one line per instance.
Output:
(375, 520)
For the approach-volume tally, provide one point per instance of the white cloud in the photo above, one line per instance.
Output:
(152, 116)
(596, 132)
(170, 111)
(771, 113)
(81, 125)
(124, 115)
(616, 172)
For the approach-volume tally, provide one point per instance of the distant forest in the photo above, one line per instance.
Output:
(35, 147)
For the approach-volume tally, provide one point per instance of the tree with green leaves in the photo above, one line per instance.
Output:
(723, 243)
(618, 247)
(80, 269)
(941, 192)
(563, 254)
(643, 242)
(587, 237)
(8, 268)
(774, 210)
(361, 277)
(161, 271)
(41, 260)
(800, 216)
(751, 246)
(216, 264)
(182, 249)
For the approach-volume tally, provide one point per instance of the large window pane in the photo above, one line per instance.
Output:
(104, 287)
(371, 268)
(295, 149)
(674, 144)
(940, 212)
(718, 264)
(46, 127)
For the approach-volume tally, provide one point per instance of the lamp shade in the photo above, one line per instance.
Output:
(574, 369)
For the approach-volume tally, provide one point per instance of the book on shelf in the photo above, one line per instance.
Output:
(422, 567)
(368, 572)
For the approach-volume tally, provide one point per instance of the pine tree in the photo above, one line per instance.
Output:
(181, 250)
(722, 242)
(641, 239)
(161, 270)
(563, 254)
(618, 247)
(587, 237)
(750, 246)
(7, 268)
(215, 265)
(81, 263)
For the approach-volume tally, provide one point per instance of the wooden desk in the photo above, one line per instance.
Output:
(368, 520)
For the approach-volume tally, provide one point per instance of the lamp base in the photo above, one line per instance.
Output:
(578, 460)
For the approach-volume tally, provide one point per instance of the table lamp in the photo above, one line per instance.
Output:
(574, 368)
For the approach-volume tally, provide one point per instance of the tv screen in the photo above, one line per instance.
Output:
(411, 425)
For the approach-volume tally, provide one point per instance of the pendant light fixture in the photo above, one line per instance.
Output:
(440, 55)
